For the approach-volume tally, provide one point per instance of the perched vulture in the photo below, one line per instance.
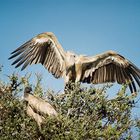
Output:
(102, 68)
(37, 107)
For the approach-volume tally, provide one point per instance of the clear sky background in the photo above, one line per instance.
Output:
(83, 26)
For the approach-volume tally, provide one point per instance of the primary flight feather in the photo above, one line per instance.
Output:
(106, 67)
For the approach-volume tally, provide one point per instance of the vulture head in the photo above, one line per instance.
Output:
(27, 92)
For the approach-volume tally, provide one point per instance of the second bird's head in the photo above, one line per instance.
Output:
(27, 92)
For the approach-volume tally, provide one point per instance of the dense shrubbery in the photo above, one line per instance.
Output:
(84, 113)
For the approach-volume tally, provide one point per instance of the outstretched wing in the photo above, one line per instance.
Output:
(44, 49)
(110, 67)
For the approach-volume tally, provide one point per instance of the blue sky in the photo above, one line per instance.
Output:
(83, 26)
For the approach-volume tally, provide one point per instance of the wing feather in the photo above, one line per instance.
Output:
(110, 67)
(44, 49)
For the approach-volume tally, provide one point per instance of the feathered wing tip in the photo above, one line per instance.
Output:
(135, 77)
(23, 54)
(20, 49)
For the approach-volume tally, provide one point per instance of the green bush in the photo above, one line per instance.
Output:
(84, 113)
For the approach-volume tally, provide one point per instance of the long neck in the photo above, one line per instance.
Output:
(26, 95)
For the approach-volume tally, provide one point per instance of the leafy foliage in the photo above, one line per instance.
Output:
(84, 113)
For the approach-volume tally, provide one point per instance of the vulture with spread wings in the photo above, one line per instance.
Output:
(102, 68)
